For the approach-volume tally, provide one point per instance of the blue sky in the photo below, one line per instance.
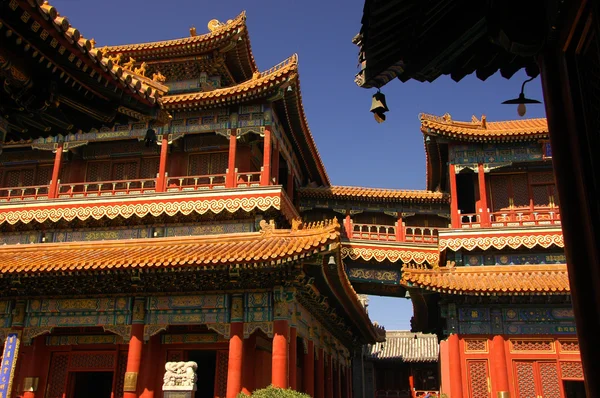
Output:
(355, 149)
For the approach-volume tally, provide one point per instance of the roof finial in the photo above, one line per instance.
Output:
(483, 122)
(193, 31)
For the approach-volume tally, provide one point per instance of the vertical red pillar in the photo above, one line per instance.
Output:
(149, 367)
(161, 181)
(31, 368)
(453, 198)
(231, 178)
(293, 358)
(483, 199)
(279, 370)
(265, 176)
(320, 375)
(329, 376)
(308, 373)
(234, 367)
(134, 358)
(275, 171)
(53, 189)
(500, 370)
(456, 389)
(338, 380)
(400, 232)
(348, 226)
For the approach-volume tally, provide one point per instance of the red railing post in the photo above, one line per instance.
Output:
(265, 176)
(53, 189)
(455, 216)
(400, 231)
(483, 199)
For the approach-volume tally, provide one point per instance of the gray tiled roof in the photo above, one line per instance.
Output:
(402, 345)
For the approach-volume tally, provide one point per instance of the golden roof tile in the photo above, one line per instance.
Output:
(268, 245)
(482, 130)
(363, 193)
(486, 280)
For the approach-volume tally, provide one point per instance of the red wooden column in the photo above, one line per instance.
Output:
(483, 199)
(275, 171)
(329, 376)
(265, 175)
(279, 370)
(293, 357)
(231, 178)
(320, 375)
(455, 217)
(134, 358)
(161, 181)
(500, 370)
(348, 381)
(338, 380)
(234, 367)
(149, 367)
(31, 368)
(308, 373)
(400, 232)
(348, 226)
(53, 189)
(456, 389)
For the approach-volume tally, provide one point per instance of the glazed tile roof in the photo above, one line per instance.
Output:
(482, 130)
(486, 280)
(140, 85)
(362, 193)
(260, 82)
(405, 346)
(267, 246)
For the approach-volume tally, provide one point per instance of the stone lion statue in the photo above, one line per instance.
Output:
(180, 374)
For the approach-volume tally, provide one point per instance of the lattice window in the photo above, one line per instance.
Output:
(532, 345)
(221, 377)
(98, 171)
(120, 374)
(100, 360)
(149, 167)
(520, 188)
(549, 380)
(57, 379)
(43, 175)
(500, 195)
(478, 379)
(476, 345)
(19, 178)
(571, 370)
(525, 374)
(569, 345)
(124, 171)
(546, 177)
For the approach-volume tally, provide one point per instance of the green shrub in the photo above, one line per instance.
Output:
(274, 392)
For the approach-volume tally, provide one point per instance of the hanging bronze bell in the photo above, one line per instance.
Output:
(379, 107)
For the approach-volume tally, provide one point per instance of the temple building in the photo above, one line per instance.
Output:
(147, 216)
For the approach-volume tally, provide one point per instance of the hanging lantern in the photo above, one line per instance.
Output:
(379, 107)
(521, 100)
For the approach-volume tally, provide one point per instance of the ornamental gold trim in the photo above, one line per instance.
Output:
(501, 242)
(392, 255)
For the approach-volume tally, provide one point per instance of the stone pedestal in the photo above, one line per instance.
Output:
(180, 380)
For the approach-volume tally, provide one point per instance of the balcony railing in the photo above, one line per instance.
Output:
(195, 183)
(406, 394)
(390, 233)
(421, 234)
(24, 193)
(248, 179)
(511, 218)
(106, 188)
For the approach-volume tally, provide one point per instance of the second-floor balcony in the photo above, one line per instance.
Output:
(392, 233)
(511, 218)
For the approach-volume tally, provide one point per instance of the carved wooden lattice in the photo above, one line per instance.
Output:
(571, 370)
(221, 377)
(149, 167)
(478, 379)
(525, 380)
(499, 188)
(92, 361)
(120, 375)
(532, 345)
(549, 379)
(124, 171)
(43, 175)
(98, 171)
(520, 191)
(58, 375)
(476, 345)
(541, 195)
(569, 345)
(545, 177)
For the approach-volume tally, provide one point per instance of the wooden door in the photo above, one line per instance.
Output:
(478, 376)
(537, 379)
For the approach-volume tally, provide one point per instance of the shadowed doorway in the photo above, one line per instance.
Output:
(207, 366)
(91, 384)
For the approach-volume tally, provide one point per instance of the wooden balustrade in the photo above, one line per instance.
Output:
(106, 188)
(373, 232)
(511, 218)
(195, 183)
(24, 193)
(248, 179)
(421, 234)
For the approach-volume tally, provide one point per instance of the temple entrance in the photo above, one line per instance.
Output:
(90, 385)
(207, 365)
(574, 389)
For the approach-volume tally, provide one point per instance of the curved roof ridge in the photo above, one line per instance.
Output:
(238, 21)
(288, 65)
(373, 193)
